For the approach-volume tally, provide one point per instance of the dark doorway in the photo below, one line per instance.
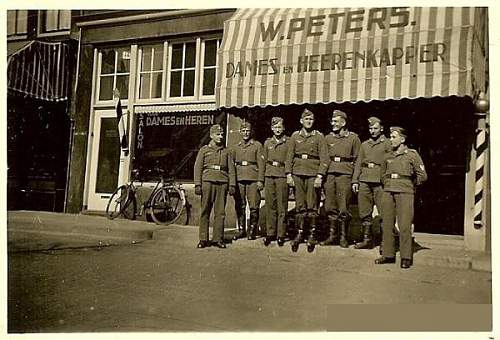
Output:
(37, 153)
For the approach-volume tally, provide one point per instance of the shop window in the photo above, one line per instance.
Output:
(55, 21)
(172, 140)
(182, 73)
(151, 71)
(209, 66)
(17, 22)
(114, 72)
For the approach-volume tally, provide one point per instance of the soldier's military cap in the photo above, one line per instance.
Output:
(306, 113)
(216, 129)
(373, 120)
(399, 130)
(338, 113)
(245, 125)
(276, 120)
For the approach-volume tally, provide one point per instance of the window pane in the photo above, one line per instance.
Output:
(177, 56)
(123, 60)
(22, 22)
(122, 85)
(210, 52)
(146, 59)
(11, 22)
(109, 156)
(157, 81)
(158, 58)
(175, 84)
(190, 54)
(209, 82)
(106, 88)
(107, 62)
(188, 83)
(51, 18)
(64, 19)
(144, 88)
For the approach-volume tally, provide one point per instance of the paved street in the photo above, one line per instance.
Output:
(157, 286)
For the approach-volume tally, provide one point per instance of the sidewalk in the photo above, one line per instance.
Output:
(29, 230)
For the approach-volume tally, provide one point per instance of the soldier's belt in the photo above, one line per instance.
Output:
(370, 165)
(341, 159)
(398, 176)
(305, 156)
(216, 167)
(245, 163)
(276, 163)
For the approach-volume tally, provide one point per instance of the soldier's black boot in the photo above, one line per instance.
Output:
(299, 221)
(312, 241)
(367, 240)
(254, 220)
(332, 236)
(281, 241)
(343, 233)
(241, 227)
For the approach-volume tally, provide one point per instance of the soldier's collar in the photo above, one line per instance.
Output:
(304, 133)
(401, 150)
(342, 133)
(380, 139)
(280, 140)
(214, 146)
(242, 142)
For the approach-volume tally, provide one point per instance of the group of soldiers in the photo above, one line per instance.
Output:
(383, 172)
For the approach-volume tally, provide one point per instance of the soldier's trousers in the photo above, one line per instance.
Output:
(276, 192)
(306, 195)
(247, 190)
(368, 195)
(337, 195)
(213, 194)
(400, 205)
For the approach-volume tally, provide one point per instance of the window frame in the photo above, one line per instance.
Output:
(195, 96)
(202, 67)
(17, 34)
(163, 74)
(107, 102)
(60, 31)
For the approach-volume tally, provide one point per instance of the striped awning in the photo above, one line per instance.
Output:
(323, 55)
(40, 70)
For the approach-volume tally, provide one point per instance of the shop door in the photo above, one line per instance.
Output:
(105, 160)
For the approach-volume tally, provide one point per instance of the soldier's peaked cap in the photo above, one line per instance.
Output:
(399, 130)
(373, 120)
(276, 120)
(338, 113)
(245, 125)
(306, 113)
(216, 129)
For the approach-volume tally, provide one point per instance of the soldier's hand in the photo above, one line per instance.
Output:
(197, 190)
(289, 180)
(355, 187)
(260, 185)
(317, 182)
(232, 190)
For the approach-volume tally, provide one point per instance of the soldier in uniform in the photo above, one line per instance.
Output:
(275, 185)
(214, 173)
(247, 155)
(402, 171)
(302, 171)
(366, 178)
(341, 149)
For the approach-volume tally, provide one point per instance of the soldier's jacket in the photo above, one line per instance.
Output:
(248, 160)
(339, 153)
(274, 155)
(304, 152)
(402, 171)
(371, 155)
(214, 164)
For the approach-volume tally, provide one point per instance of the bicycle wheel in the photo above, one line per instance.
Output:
(167, 205)
(117, 202)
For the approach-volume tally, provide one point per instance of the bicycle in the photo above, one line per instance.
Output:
(165, 204)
